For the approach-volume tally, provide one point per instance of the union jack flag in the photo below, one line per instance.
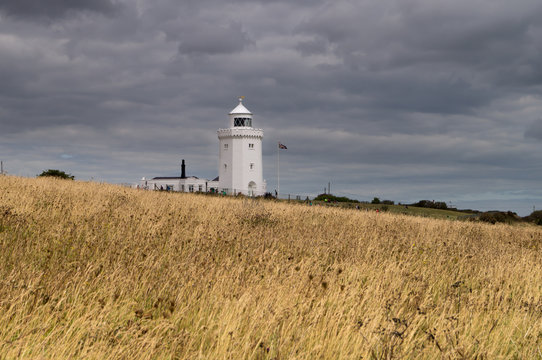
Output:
(282, 146)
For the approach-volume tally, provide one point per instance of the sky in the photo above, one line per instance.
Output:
(396, 99)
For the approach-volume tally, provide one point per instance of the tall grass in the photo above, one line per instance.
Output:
(98, 271)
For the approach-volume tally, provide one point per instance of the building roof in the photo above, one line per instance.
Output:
(240, 109)
(216, 178)
(173, 177)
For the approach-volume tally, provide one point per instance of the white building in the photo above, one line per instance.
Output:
(240, 165)
(181, 183)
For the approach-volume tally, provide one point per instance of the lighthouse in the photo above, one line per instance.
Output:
(240, 155)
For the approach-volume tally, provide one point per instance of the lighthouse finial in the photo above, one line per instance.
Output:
(241, 98)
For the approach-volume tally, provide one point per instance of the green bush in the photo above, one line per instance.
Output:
(535, 217)
(494, 217)
(431, 204)
(332, 198)
(488, 217)
(57, 173)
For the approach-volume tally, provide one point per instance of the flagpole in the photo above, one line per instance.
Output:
(278, 170)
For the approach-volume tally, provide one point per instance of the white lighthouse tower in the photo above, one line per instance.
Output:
(240, 155)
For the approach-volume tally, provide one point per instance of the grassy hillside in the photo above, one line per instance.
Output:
(402, 209)
(97, 271)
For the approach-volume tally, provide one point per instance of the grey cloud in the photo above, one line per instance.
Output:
(212, 39)
(200, 27)
(52, 9)
(534, 131)
(461, 40)
(312, 47)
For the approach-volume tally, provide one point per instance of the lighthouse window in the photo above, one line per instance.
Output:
(225, 167)
(251, 146)
(225, 146)
(251, 166)
(242, 122)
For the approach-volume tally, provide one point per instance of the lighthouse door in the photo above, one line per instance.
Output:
(251, 188)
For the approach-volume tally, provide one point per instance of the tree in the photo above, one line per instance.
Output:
(57, 173)
(375, 201)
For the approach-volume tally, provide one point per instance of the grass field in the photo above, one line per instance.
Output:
(98, 271)
(402, 210)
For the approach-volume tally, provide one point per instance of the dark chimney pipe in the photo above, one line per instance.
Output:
(183, 172)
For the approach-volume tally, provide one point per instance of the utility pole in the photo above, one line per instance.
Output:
(278, 171)
(1, 168)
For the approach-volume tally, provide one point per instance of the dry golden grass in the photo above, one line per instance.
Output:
(98, 271)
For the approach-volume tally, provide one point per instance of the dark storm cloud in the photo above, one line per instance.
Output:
(402, 99)
(35, 9)
(393, 34)
(430, 56)
(209, 39)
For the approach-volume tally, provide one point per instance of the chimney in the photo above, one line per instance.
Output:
(183, 172)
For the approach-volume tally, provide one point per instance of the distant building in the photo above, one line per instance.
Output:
(240, 166)
(181, 183)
